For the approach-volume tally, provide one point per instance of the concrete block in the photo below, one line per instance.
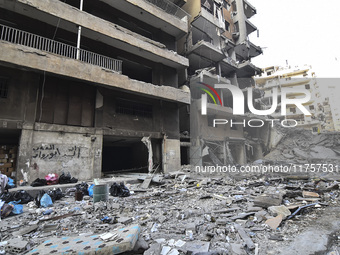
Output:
(16, 246)
(279, 210)
(91, 244)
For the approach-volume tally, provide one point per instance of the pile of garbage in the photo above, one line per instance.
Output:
(178, 213)
(52, 179)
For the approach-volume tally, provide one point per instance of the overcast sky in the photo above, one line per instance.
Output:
(299, 31)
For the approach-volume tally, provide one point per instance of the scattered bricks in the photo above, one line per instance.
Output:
(279, 210)
(268, 200)
(16, 246)
(101, 227)
(310, 194)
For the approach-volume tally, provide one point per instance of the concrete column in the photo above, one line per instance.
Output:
(171, 155)
(241, 18)
(25, 151)
(97, 148)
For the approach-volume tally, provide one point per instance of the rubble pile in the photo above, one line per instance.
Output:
(301, 146)
(177, 214)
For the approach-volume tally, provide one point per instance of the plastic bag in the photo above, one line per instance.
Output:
(11, 183)
(66, 178)
(119, 190)
(90, 190)
(38, 197)
(7, 197)
(22, 196)
(55, 194)
(52, 179)
(39, 182)
(83, 187)
(17, 208)
(46, 200)
(6, 209)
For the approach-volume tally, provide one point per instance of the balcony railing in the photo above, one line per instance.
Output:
(17, 36)
(170, 8)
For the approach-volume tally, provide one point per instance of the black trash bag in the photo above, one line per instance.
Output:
(83, 187)
(119, 190)
(39, 182)
(23, 196)
(7, 197)
(38, 197)
(114, 189)
(74, 180)
(65, 178)
(55, 194)
(124, 191)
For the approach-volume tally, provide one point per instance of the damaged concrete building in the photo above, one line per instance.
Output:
(82, 82)
(220, 52)
(297, 78)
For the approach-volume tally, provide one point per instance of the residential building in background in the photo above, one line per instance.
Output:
(334, 105)
(297, 78)
(82, 82)
(219, 52)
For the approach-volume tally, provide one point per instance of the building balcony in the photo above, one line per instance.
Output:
(161, 14)
(250, 27)
(249, 10)
(247, 69)
(20, 37)
(32, 52)
(206, 21)
(246, 50)
(203, 54)
(50, 11)
(228, 65)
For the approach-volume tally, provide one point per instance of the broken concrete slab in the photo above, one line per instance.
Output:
(90, 244)
(250, 244)
(279, 210)
(275, 222)
(155, 249)
(195, 247)
(267, 200)
(25, 230)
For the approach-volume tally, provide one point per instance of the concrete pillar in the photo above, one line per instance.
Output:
(241, 18)
(25, 151)
(171, 151)
(97, 148)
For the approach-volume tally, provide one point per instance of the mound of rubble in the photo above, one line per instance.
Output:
(184, 214)
(302, 146)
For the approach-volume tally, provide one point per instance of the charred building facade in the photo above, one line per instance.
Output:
(82, 82)
(220, 52)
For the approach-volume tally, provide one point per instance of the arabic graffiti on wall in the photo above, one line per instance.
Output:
(59, 151)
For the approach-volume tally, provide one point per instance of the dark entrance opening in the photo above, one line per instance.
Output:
(9, 143)
(124, 154)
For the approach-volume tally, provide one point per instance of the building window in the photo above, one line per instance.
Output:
(315, 129)
(227, 25)
(307, 86)
(311, 107)
(133, 108)
(3, 87)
